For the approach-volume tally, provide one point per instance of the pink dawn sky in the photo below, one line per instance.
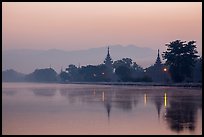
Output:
(73, 26)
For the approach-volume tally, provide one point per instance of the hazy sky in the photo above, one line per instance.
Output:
(73, 26)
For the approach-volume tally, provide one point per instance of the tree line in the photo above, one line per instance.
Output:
(122, 70)
(182, 64)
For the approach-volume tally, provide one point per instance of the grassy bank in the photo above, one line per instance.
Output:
(141, 84)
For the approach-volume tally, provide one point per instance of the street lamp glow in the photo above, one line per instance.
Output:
(165, 69)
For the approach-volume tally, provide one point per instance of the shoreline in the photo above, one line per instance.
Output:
(198, 85)
(188, 85)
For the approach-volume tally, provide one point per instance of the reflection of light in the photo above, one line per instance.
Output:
(165, 100)
(165, 114)
(94, 75)
(103, 96)
(103, 73)
(145, 99)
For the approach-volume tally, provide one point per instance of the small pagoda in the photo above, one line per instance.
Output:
(158, 60)
(108, 60)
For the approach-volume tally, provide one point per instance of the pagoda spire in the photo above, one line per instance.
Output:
(158, 60)
(108, 60)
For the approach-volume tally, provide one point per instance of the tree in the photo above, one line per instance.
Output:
(88, 73)
(127, 70)
(73, 73)
(197, 71)
(137, 67)
(127, 62)
(64, 76)
(180, 57)
(124, 73)
(12, 76)
(104, 73)
(42, 75)
(123, 69)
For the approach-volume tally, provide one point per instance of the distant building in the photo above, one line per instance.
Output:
(108, 60)
(158, 72)
(158, 60)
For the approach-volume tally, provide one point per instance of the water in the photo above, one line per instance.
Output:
(30, 108)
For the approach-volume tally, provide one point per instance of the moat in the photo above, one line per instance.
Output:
(33, 108)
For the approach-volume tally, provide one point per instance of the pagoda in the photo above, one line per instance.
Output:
(158, 60)
(108, 60)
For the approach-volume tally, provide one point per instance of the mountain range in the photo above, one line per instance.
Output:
(27, 60)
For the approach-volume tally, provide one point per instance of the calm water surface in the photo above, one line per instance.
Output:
(99, 109)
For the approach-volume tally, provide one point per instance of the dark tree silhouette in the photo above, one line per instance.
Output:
(124, 73)
(124, 62)
(64, 76)
(127, 70)
(136, 67)
(42, 75)
(197, 71)
(180, 57)
(123, 69)
(12, 76)
(73, 73)
(95, 73)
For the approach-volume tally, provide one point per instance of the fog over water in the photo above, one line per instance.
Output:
(30, 108)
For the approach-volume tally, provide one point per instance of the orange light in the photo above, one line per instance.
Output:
(165, 69)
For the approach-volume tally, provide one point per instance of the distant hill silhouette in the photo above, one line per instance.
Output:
(26, 60)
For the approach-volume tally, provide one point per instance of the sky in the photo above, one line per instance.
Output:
(76, 26)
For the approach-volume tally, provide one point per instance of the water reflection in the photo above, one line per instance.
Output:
(78, 96)
(107, 99)
(145, 99)
(158, 101)
(9, 92)
(182, 113)
(126, 100)
(138, 108)
(44, 92)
